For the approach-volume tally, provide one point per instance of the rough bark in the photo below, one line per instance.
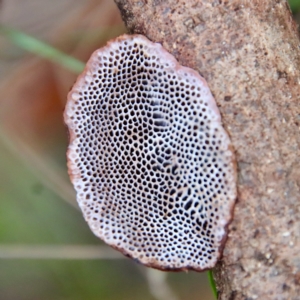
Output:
(248, 51)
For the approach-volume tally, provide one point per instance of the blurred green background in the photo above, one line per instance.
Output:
(46, 249)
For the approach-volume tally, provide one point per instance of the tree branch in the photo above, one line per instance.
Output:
(248, 51)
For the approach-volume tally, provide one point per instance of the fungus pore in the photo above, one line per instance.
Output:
(149, 158)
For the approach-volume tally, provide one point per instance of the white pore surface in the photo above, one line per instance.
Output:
(148, 156)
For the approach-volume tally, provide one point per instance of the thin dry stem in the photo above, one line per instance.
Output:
(57, 252)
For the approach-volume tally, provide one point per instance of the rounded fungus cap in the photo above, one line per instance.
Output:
(148, 156)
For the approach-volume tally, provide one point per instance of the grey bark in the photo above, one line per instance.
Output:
(249, 53)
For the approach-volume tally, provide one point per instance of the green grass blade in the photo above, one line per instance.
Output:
(212, 283)
(42, 49)
(295, 5)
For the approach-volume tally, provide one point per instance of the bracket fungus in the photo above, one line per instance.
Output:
(149, 158)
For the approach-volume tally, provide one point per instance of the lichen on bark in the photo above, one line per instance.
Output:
(249, 53)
